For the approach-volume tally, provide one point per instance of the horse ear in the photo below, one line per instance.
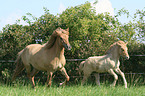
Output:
(126, 43)
(118, 44)
(67, 29)
(58, 31)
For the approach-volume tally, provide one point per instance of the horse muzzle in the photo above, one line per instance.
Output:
(127, 57)
(67, 47)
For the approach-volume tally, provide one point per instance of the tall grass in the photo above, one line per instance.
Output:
(71, 90)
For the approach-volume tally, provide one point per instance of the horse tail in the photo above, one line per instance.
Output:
(81, 66)
(19, 66)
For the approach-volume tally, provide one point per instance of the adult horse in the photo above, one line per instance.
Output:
(106, 63)
(48, 57)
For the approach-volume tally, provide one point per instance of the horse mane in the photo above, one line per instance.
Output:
(121, 43)
(51, 42)
(54, 35)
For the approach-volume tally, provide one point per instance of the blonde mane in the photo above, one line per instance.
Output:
(121, 43)
(51, 42)
(54, 35)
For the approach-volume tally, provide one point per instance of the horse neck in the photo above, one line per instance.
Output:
(114, 54)
(59, 50)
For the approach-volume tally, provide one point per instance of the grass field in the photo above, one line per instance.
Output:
(74, 90)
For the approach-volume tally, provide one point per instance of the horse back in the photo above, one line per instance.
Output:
(28, 52)
(96, 63)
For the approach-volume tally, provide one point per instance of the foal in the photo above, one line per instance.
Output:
(106, 63)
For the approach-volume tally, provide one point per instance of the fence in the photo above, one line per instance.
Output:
(134, 76)
(75, 60)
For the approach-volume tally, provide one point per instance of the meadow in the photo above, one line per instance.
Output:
(71, 90)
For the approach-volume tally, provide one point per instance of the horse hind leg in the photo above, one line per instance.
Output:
(97, 78)
(28, 70)
(30, 74)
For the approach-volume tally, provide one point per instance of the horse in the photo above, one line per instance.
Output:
(48, 57)
(106, 63)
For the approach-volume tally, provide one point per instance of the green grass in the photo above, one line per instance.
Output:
(74, 90)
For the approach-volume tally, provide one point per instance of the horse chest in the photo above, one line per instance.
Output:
(113, 64)
(57, 63)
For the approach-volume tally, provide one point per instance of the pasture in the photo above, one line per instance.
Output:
(71, 90)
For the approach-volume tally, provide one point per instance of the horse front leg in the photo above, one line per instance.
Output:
(49, 78)
(115, 76)
(63, 71)
(122, 75)
(86, 75)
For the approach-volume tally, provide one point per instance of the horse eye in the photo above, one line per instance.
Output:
(61, 38)
(122, 49)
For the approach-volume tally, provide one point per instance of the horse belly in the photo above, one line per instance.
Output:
(100, 67)
(40, 63)
(40, 66)
(45, 66)
(105, 66)
(95, 64)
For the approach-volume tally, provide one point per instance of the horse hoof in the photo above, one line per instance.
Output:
(48, 86)
(61, 84)
(112, 85)
(125, 86)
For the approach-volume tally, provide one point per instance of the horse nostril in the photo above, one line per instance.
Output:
(127, 57)
(69, 47)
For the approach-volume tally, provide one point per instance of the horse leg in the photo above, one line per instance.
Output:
(115, 76)
(49, 78)
(122, 75)
(86, 75)
(33, 73)
(97, 78)
(63, 71)
(28, 70)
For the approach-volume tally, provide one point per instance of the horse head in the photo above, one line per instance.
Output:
(63, 36)
(123, 50)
